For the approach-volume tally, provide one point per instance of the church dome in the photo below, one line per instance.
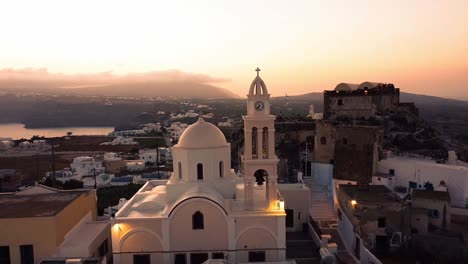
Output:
(202, 134)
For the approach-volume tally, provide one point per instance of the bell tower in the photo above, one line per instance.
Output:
(259, 158)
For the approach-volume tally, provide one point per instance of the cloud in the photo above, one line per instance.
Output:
(28, 77)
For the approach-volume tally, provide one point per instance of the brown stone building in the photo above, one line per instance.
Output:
(360, 100)
(357, 153)
(324, 143)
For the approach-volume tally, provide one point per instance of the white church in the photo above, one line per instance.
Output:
(205, 210)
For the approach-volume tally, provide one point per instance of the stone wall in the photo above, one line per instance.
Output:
(356, 153)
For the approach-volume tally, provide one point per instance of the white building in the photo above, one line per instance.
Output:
(224, 124)
(401, 174)
(101, 180)
(176, 129)
(64, 175)
(151, 127)
(111, 156)
(205, 211)
(135, 165)
(151, 155)
(120, 140)
(148, 155)
(6, 143)
(86, 166)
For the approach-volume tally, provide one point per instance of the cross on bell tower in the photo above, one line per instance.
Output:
(258, 71)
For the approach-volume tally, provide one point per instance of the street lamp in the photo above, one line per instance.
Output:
(53, 161)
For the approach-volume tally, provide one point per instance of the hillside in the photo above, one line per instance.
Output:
(150, 84)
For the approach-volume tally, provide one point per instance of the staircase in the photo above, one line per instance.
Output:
(321, 200)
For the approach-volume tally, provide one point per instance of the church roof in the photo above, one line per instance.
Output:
(201, 135)
(354, 87)
(346, 87)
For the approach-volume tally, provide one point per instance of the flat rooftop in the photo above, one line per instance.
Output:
(431, 195)
(373, 194)
(36, 205)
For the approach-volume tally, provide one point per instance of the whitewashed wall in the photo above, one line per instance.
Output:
(421, 171)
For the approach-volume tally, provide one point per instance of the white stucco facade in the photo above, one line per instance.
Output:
(205, 210)
(87, 166)
(420, 171)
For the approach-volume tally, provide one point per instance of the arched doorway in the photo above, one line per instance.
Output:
(260, 176)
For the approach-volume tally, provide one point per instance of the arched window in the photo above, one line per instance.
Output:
(221, 169)
(200, 171)
(260, 176)
(254, 142)
(323, 140)
(180, 170)
(265, 142)
(197, 220)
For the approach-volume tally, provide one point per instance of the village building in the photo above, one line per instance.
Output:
(372, 219)
(429, 210)
(40, 223)
(86, 166)
(134, 165)
(205, 210)
(360, 100)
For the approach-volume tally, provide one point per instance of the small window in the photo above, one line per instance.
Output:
(5, 254)
(141, 259)
(221, 169)
(197, 220)
(27, 254)
(434, 213)
(391, 171)
(180, 170)
(381, 222)
(340, 101)
(180, 259)
(217, 255)
(200, 171)
(257, 256)
(323, 140)
(345, 141)
(299, 215)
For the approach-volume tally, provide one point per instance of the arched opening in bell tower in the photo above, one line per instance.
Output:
(260, 176)
(265, 143)
(254, 142)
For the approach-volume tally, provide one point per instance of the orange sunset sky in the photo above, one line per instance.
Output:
(302, 46)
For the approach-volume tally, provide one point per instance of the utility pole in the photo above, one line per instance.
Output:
(53, 163)
(157, 158)
(95, 181)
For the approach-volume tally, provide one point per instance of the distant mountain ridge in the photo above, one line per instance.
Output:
(172, 83)
(177, 89)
